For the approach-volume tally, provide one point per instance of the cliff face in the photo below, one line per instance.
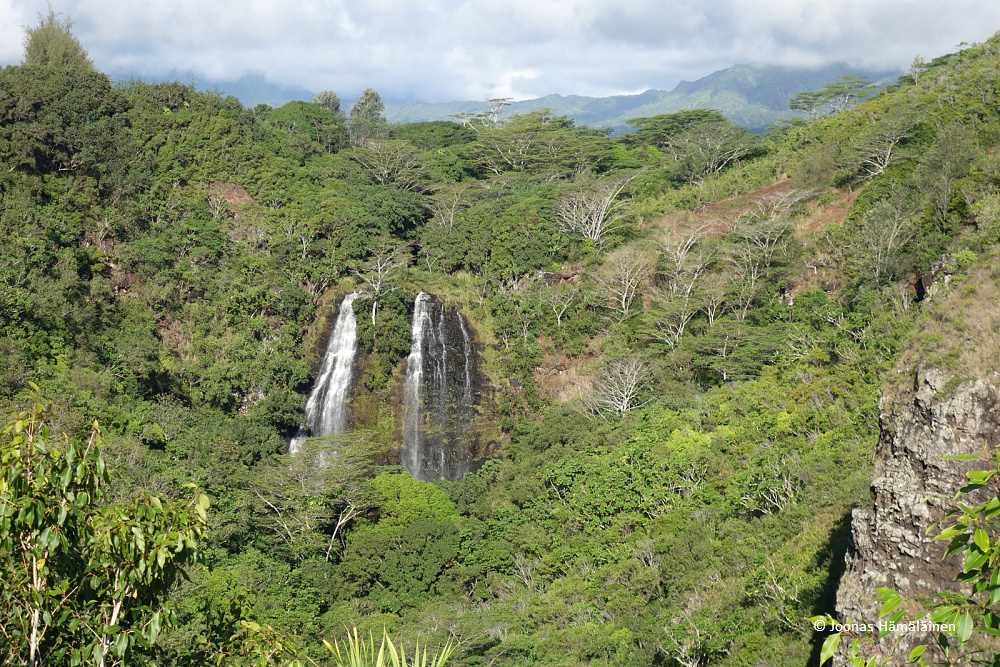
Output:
(890, 546)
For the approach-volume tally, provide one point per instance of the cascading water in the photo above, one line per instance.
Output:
(326, 409)
(438, 393)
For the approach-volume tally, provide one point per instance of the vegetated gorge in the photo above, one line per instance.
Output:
(520, 388)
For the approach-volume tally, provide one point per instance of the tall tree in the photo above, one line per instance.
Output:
(846, 92)
(367, 118)
(701, 141)
(52, 43)
(593, 211)
(327, 99)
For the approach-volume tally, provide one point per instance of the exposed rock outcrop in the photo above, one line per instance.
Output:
(890, 545)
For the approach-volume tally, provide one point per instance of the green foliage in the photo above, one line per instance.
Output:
(173, 258)
(61, 120)
(86, 580)
(50, 43)
(367, 118)
(360, 653)
(846, 92)
(432, 135)
(700, 142)
(327, 99)
(403, 500)
(538, 142)
(322, 125)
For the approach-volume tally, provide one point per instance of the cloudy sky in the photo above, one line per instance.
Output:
(442, 50)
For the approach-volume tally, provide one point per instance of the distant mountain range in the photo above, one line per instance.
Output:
(754, 96)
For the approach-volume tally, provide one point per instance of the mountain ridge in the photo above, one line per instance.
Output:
(754, 96)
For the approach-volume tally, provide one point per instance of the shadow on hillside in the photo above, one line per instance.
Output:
(831, 559)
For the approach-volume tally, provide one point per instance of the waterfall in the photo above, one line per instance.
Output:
(412, 452)
(438, 393)
(326, 409)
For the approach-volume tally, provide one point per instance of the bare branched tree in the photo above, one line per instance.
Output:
(774, 206)
(689, 640)
(445, 205)
(620, 277)
(757, 244)
(308, 499)
(747, 270)
(886, 228)
(677, 298)
(678, 245)
(714, 296)
(380, 272)
(672, 315)
(391, 162)
(560, 298)
(878, 146)
(619, 386)
(593, 211)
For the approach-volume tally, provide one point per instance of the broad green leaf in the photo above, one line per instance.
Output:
(890, 605)
(829, 647)
(982, 540)
(964, 627)
(974, 559)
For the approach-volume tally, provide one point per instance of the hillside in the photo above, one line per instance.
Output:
(602, 401)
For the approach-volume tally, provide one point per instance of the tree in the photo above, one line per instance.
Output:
(309, 498)
(878, 146)
(380, 272)
(709, 148)
(846, 92)
(52, 44)
(489, 118)
(620, 277)
(391, 162)
(941, 166)
(809, 102)
(593, 210)
(327, 99)
(367, 120)
(539, 143)
(560, 298)
(701, 141)
(660, 131)
(85, 580)
(677, 299)
(619, 385)
(886, 228)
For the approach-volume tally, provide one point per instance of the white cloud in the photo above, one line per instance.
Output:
(13, 16)
(438, 50)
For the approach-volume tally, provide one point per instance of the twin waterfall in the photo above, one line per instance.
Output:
(439, 394)
(438, 403)
(326, 409)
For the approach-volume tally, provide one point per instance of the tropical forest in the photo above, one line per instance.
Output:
(296, 386)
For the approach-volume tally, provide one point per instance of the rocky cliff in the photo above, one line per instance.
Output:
(890, 545)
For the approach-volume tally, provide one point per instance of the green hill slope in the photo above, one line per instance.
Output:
(683, 333)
